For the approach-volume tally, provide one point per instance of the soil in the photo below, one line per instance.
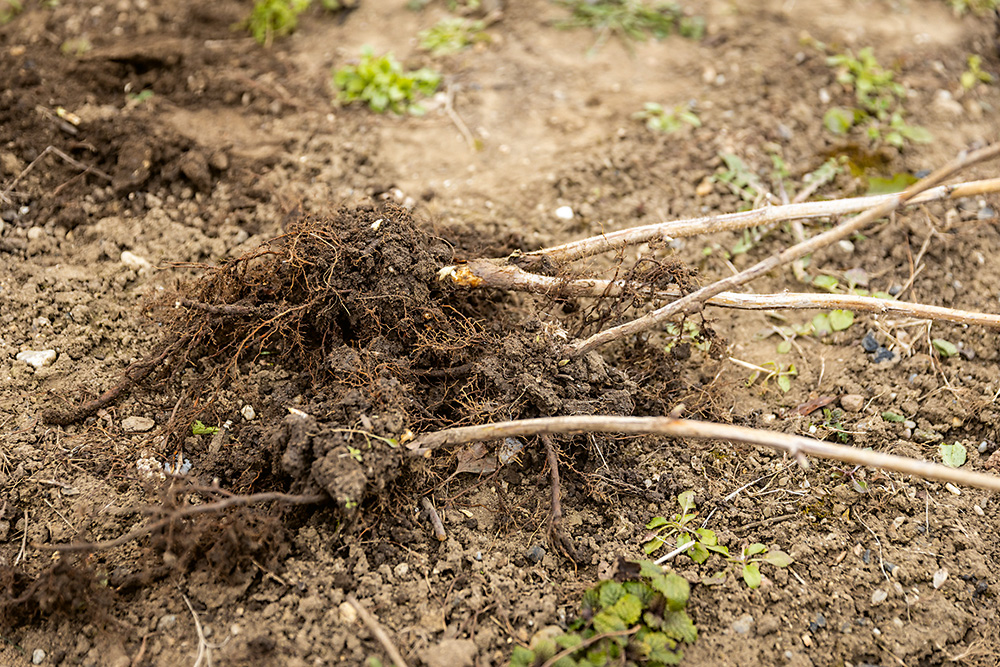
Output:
(276, 256)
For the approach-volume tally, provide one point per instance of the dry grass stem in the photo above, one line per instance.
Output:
(376, 629)
(693, 302)
(675, 229)
(794, 445)
(496, 274)
(439, 533)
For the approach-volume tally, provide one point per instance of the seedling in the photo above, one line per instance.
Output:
(199, 428)
(748, 564)
(740, 179)
(879, 100)
(769, 369)
(944, 348)
(382, 83)
(691, 334)
(451, 35)
(832, 421)
(667, 121)
(640, 619)
(973, 76)
(631, 19)
(953, 456)
(859, 485)
(662, 529)
(824, 324)
(274, 18)
(9, 9)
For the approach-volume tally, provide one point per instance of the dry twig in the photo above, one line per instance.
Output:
(376, 629)
(794, 445)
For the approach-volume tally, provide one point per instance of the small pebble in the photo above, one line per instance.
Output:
(743, 624)
(564, 213)
(35, 233)
(37, 656)
(248, 412)
(807, 640)
(879, 596)
(37, 358)
(978, 510)
(909, 423)
(137, 424)
(869, 343)
(348, 614)
(166, 622)
(883, 354)
(953, 489)
(845, 246)
(852, 402)
(986, 213)
(535, 554)
(135, 262)
(940, 577)
(983, 446)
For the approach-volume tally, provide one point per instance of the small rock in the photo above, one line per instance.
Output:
(925, 436)
(869, 343)
(852, 402)
(195, 167)
(705, 187)
(879, 596)
(940, 577)
(166, 622)
(994, 461)
(945, 103)
(37, 656)
(137, 424)
(401, 570)
(743, 624)
(884, 354)
(219, 161)
(910, 424)
(248, 412)
(135, 262)
(35, 233)
(535, 554)
(845, 246)
(975, 508)
(807, 640)
(37, 358)
(348, 614)
(986, 213)
(564, 213)
(451, 653)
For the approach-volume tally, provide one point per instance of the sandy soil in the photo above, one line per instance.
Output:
(115, 212)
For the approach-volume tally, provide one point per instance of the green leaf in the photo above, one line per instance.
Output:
(706, 536)
(841, 319)
(522, 657)
(698, 553)
(784, 347)
(838, 120)
(628, 609)
(611, 592)
(828, 283)
(714, 580)
(821, 325)
(944, 348)
(885, 186)
(678, 625)
(656, 522)
(675, 589)
(778, 558)
(893, 417)
(657, 647)
(641, 590)
(607, 622)
(653, 545)
(200, 429)
(756, 548)
(686, 501)
(952, 456)
(568, 640)
(751, 575)
(784, 383)
(649, 569)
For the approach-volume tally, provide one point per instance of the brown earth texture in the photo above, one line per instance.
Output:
(232, 282)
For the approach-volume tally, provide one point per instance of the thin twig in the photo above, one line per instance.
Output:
(557, 537)
(377, 630)
(496, 274)
(589, 642)
(732, 221)
(794, 445)
(439, 533)
(24, 541)
(218, 506)
(59, 153)
(693, 302)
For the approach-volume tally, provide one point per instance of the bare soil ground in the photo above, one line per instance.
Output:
(239, 144)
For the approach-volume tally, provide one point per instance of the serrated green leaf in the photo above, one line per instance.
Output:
(944, 348)
(628, 608)
(675, 589)
(678, 625)
(649, 569)
(751, 575)
(657, 647)
(610, 593)
(893, 417)
(605, 622)
(643, 591)
(200, 429)
(841, 319)
(778, 558)
(953, 456)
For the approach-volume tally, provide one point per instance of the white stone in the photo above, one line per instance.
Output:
(347, 613)
(37, 656)
(137, 424)
(37, 358)
(940, 577)
(564, 213)
(248, 412)
(135, 262)
(35, 233)
(944, 102)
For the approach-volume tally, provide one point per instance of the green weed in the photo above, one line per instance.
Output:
(277, 18)
(689, 333)
(679, 525)
(631, 19)
(199, 428)
(9, 9)
(748, 564)
(451, 35)
(668, 121)
(640, 619)
(879, 99)
(383, 85)
(973, 76)
(977, 7)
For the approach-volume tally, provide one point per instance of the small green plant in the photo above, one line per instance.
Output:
(879, 99)
(75, 47)
(278, 18)
(953, 456)
(748, 564)
(668, 121)
(944, 348)
(823, 324)
(9, 9)
(833, 421)
(679, 525)
(140, 97)
(739, 178)
(773, 370)
(382, 83)
(199, 428)
(631, 19)
(638, 619)
(973, 76)
(977, 7)
(451, 35)
(859, 485)
(691, 334)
